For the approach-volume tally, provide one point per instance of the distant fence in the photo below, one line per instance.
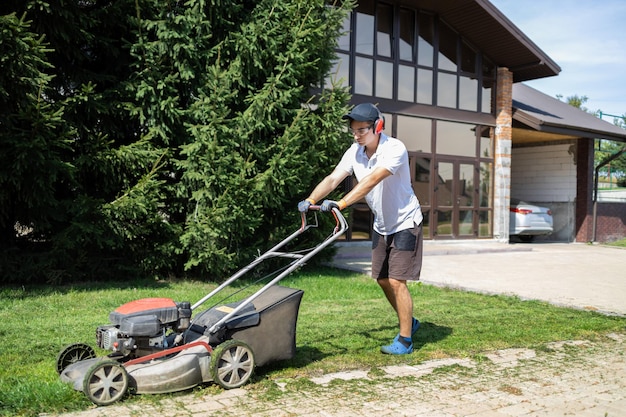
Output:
(612, 195)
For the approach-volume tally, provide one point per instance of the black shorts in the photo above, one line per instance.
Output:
(398, 256)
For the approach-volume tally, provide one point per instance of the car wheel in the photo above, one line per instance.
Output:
(232, 364)
(105, 382)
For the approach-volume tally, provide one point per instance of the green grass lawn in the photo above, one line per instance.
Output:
(618, 243)
(343, 321)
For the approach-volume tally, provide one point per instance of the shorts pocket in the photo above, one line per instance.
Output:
(405, 240)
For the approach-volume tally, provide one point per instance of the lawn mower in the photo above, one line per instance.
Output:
(158, 347)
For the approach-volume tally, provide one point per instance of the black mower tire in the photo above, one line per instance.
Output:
(73, 353)
(232, 364)
(105, 382)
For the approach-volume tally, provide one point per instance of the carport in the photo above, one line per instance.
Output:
(552, 164)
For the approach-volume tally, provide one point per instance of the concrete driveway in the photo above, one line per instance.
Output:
(583, 276)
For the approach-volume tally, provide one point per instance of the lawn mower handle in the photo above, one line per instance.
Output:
(298, 259)
(341, 224)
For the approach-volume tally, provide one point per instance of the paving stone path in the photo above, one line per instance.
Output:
(571, 378)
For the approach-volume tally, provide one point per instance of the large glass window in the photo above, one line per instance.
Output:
(485, 223)
(421, 179)
(340, 71)
(468, 59)
(415, 133)
(407, 35)
(390, 41)
(468, 93)
(467, 181)
(486, 144)
(406, 83)
(486, 100)
(447, 57)
(404, 55)
(456, 138)
(365, 28)
(446, 90)
(343, 43)
(363, 76)
(425, 42)
(487, 95)
(455, 189)
(485, 185)
(424, 86)
(384, 30)
(384, 79)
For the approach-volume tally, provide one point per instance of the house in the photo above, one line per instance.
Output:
(449, 76)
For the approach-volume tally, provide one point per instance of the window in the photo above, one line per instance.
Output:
(446, 90)
(339, 72)
(384, 30)
(447, 56)
(364, 30)
(410, 55)
(363, 76)
(384, 79)
(424, 86)
(401, 54)
(468, 93)
(343, 43)
(456, 139)
(415, 133)
(425, 42)
(406, 83)
(407, 35)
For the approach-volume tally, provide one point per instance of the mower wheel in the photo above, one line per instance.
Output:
(105, 382)
(232, 364)
(73, 353)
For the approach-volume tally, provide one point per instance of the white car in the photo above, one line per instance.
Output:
(528, 220)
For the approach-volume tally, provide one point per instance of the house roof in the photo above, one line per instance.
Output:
(546, 114)
(503, 43)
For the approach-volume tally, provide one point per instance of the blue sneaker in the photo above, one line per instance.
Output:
(397, 348)
(414, 328)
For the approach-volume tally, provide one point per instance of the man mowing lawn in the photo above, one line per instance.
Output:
(381, 166)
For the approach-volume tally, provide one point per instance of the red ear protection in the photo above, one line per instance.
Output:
(379, 124)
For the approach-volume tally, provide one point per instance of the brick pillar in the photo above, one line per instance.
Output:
(584, 191)
(502, 155)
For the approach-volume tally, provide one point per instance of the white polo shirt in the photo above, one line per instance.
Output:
(392, 200)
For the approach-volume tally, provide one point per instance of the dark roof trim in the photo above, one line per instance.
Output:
(542, 57)
(425, 111)
(485, 27)
(547, 114)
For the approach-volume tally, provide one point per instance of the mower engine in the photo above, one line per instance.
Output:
(145, 326)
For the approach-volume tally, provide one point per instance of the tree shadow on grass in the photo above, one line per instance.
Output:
(304, 356)
(41, 290)
(430, 333)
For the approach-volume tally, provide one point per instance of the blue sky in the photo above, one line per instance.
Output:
(586, 38)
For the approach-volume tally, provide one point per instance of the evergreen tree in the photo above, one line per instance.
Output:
(163, 136)
(33, 140)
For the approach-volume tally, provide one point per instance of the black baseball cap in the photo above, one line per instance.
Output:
(365, 112)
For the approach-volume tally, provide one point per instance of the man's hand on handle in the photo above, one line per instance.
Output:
(304, 205)
(328, 205)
